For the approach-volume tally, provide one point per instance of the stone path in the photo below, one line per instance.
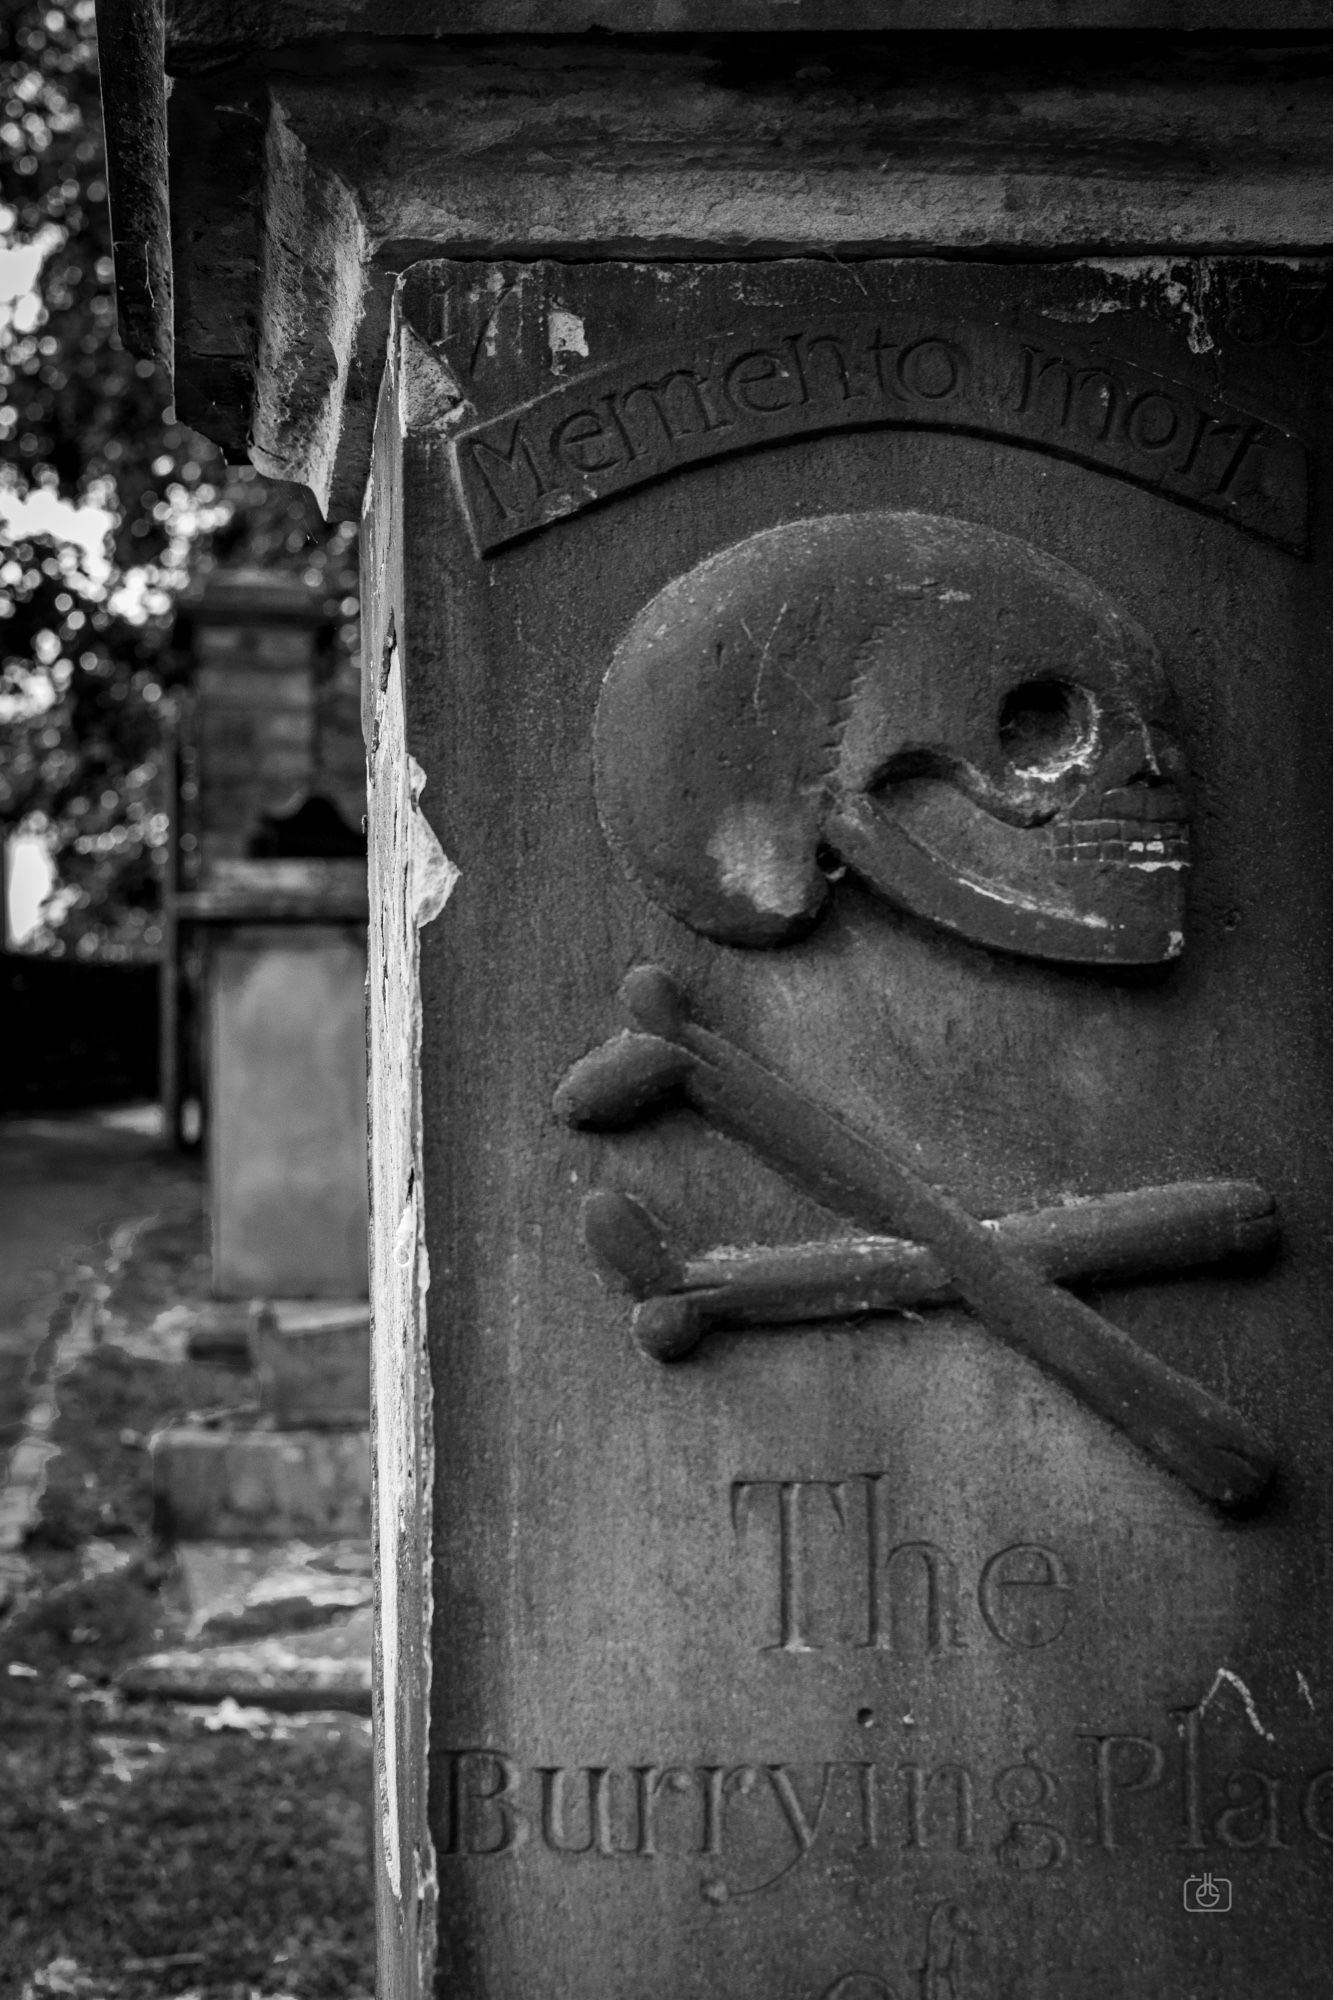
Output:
(155, 1695)
(126, 1285)
(65, 1182)
(75, 1190)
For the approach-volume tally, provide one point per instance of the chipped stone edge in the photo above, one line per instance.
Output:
(415, 880)
(428, 877)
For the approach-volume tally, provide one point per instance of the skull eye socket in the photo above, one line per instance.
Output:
(1045, 725)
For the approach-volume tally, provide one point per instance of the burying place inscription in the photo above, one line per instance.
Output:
(873, 1297)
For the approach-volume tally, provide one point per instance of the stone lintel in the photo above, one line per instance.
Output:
(315, 153)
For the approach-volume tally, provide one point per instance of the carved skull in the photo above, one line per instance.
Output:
(969, 725)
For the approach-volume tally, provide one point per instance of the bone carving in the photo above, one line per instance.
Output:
(1174, 1420)
(1111, 1238)
(977, 733)
(971, 727)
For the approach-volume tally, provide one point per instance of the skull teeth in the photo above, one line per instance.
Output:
(1134, 843)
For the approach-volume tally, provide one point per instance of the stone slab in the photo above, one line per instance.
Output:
(215, 1330)
(325, 1669)
(260, 1485)
(313, 1359)
(241, 891)
(248, 1591)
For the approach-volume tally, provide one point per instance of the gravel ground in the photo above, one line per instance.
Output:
(150, 1851)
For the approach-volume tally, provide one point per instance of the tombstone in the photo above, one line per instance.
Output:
(265, 977)
(846, 794)
(265, 969)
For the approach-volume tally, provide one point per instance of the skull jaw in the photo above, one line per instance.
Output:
(931, 852)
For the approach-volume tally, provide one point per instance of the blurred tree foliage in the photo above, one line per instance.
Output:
(86, 670)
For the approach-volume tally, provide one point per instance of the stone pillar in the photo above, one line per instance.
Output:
(843, 687)
(266, 928)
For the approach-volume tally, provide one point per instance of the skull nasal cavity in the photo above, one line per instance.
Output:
(1044, 724)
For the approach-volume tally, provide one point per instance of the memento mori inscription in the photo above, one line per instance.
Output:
(605, 433)
(930, 1625)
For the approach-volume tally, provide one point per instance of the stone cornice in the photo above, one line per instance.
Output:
(305, 177)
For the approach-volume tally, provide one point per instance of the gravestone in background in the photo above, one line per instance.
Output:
(287, 1059)
(264, 966)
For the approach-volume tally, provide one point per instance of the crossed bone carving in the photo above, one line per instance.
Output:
(1007, 1272)
(837, 687)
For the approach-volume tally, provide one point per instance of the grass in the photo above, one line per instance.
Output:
(158, 1858)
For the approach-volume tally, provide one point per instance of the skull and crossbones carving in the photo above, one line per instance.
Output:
(977, 733)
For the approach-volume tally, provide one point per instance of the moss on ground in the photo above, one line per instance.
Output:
(159, 1858)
